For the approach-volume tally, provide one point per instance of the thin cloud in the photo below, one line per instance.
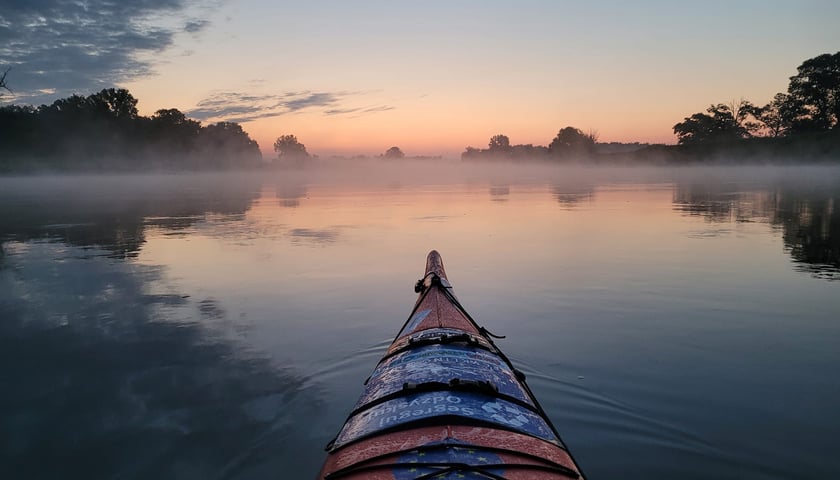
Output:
(312, 100)
(70, 47)
(242, 107)
(381, 108)
(358, 112)
(341, 111)
(238, 107)
(195, 26)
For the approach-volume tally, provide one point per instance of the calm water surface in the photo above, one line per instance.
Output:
(674, 323)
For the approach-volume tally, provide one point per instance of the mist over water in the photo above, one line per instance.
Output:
(219, 325)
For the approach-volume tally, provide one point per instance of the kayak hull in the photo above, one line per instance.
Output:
(445, 402)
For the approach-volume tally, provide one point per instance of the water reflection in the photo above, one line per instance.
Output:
(316, 236)
(570, 195)
(805, 214)
(114, 372)
(290, 193)
(115, 212)
(104, 379)
(499, 193)
(811, 227)
(726, 202)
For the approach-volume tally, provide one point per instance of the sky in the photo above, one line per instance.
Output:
(431, 77)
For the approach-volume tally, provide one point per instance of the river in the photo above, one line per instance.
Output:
(674, 323)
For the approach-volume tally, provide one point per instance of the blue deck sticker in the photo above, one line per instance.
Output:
(441, 363)
(435, 404)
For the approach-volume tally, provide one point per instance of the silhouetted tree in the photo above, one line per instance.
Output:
(721, 123)
(72, 105)
(746, 114)
(171, 117)
(471, 153)
(528, 151)
(173, 131)
(226, 144)
(498, 148)
(289, 148)
(778, 116)
(499, 143)
(394, 152)
(18, 133)
(699, 128)
(104, 130)
(118, 103)
(815, 92)
(3, 85)
(79, 127)
(572, 141)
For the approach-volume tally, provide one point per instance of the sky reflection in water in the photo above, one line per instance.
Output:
(204, 326)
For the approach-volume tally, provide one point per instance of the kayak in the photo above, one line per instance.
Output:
(444, 403)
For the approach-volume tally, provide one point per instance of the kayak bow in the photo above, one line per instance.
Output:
(444, 402)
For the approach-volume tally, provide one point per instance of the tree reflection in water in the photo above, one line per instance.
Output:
(811, 232)
(101, 377)
(113, 212)
(807, 216)
(569, 195)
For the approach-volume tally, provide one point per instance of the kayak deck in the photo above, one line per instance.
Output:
(445, 402)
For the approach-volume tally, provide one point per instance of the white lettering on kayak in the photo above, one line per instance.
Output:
(429, 406)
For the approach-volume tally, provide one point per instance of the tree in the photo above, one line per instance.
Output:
(721, 123)
(82, 128)
(173, 130)
(527, 152)
(104, 130)
(815, 92)
(394, 152)
(499, 143)
(3, 85)
(118, 103)
(226, 144)
(19, 132)
(74, 105)
(778, 116)
(471, 153)
(289, 148)
(572, 141)
(171, 117)
(745, 114)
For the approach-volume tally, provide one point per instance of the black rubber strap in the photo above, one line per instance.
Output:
(442, 339)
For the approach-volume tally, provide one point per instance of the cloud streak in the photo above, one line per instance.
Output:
(70, 47)
(242, 107)
(358, 111)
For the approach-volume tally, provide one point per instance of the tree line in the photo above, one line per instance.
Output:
(569, 143)
(104, 131)
(802, 123)
(809, 110)
(291, 152)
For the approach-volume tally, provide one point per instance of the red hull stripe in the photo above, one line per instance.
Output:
(509, 447)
